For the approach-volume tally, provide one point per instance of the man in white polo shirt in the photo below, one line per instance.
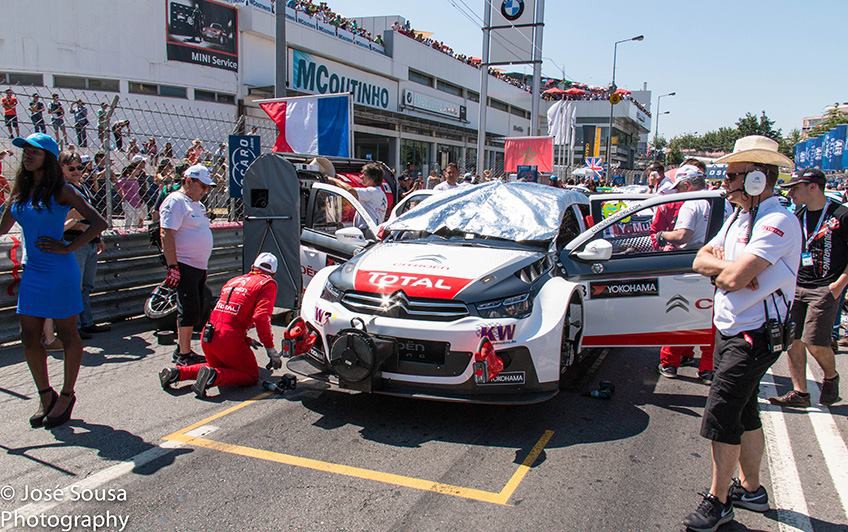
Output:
(754, 261)
(187, 245)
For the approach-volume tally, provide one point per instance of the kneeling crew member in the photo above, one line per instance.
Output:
(245, 301)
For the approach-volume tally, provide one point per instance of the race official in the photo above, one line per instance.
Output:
(821, 281)
(246, 301)
(754, 261)
(187, 245)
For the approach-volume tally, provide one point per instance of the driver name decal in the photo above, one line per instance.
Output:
(624, 288)
(412, 284)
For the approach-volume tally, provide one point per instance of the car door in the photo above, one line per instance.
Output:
(636, 293)
(329, 233)
(410, 201)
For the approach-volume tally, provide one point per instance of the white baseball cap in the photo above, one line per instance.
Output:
(139, 158)
(266, 262)
(201, 173)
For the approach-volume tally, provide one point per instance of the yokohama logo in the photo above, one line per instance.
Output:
(625, 288)
(412, 284)
(774, 230)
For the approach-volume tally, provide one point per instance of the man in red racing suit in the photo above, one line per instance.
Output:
(245, 301)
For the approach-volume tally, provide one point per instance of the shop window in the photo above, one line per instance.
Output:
(449, 88)
(143, 88)
(422, 79)
(20, 78)
(99, 84)
(499, 105)
(68, 82)
(204, 96)
(79, 83)
(172, 92)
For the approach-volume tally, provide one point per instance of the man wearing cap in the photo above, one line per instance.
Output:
(821, 281)
(187, 245)
(10, 113)
(689, 231)
(753, 261)
(246, 301)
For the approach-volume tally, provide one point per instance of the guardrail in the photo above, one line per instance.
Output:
(127, 271)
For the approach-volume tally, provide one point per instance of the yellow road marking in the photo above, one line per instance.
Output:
(501, 497)
(525, 466)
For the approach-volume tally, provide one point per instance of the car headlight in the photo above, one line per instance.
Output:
(518, 307)
(331, 293)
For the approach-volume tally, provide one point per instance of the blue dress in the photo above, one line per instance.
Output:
(50, 285)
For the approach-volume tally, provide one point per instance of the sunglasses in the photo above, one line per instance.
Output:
(74, 168)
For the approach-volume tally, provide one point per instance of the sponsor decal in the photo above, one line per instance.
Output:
(772, 229)
(677, 302)
(624, 288)
(228, 308)
(497, 333)
(308, 271)
(597, 268)
(322, 316)
(508, 377)
(704, 304)
(412, 284)
(512, 9)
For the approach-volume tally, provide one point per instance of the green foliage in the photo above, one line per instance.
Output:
(787, 143)
(674, 155)
(832, 118)
(724, 138)
(751, 125)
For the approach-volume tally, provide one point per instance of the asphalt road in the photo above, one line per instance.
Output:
(324, 460)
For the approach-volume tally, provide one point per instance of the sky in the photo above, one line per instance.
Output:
(722, 58)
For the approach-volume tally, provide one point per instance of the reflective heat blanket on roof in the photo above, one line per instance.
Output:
(512, 211)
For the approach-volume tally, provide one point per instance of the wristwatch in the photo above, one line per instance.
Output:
(660, 240)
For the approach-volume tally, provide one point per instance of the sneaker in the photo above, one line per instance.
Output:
(188, 359)
(791, 398)
(55, 345)
(205, 378)
(706, 377)
(829, 391)
(756, 501)
(669, 372)
(688, 362)
(709, 515)
(169, 376)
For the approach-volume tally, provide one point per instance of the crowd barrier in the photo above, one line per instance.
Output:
(127, 271)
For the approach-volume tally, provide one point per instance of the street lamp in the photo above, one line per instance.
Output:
(612, 89)
(660, 97)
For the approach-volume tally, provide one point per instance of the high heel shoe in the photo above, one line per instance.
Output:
(61, 419)
(37, 419)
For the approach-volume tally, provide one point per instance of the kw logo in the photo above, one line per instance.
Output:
(322, 316)
(497, 333)
(676, 302)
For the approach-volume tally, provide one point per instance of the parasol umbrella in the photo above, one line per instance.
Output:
(574, 92)
(556, 91)
(623, 92)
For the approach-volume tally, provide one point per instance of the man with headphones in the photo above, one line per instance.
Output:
(753, 261)
(821, 281)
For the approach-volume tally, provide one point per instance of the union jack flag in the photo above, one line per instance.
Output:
(595, 164)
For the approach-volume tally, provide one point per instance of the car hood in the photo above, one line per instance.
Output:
(431, 270)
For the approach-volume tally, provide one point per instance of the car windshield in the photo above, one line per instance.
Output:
(513, 212)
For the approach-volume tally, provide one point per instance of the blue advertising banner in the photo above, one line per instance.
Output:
(826, 150)
(838, 157)
(243, 150)
(800, 155)
(816, 152)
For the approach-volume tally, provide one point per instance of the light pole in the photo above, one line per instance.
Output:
(660, 97)
(612, 89)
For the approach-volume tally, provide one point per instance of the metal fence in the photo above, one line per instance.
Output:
(110, 130)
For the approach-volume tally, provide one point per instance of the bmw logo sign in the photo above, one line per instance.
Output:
(512, 9)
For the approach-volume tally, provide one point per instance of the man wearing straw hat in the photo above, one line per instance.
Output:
(753, 261)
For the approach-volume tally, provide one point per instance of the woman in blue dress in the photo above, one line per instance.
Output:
(50, 286)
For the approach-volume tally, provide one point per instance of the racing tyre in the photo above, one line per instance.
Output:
(161, 304)
(572, 331)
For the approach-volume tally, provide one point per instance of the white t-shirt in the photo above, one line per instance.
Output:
(374, 201)
(777, 239)
(192, 234)
(666, 186)
(444, 185)
(695, 216)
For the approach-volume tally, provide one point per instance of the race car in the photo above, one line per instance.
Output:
(489, 293)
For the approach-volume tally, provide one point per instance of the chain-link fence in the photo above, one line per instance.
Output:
(113, 133)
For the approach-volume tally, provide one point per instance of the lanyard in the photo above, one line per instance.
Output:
(809, 240)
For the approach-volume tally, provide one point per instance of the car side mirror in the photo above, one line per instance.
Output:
(353, 234)
(596, 250)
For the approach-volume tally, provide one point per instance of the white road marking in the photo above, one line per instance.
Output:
(102, 477)
(832, 445)
(201, 431)
(792, 512)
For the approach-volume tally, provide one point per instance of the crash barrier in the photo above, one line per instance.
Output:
(124, 128)
(127, 272)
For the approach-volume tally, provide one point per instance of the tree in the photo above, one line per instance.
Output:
(674, 155)
(751, 125)
(832, 118)
(787, 143)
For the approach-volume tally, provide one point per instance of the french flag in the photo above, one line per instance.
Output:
(314, 125)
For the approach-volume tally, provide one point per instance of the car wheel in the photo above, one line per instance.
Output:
(572, 331)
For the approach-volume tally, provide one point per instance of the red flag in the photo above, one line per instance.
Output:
(529, 151)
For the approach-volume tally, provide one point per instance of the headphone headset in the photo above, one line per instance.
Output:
(754, 183)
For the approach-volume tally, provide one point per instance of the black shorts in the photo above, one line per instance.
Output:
(190, 295)
(11, 120)
(740, 362)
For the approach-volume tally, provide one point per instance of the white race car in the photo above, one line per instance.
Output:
(489, 293)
